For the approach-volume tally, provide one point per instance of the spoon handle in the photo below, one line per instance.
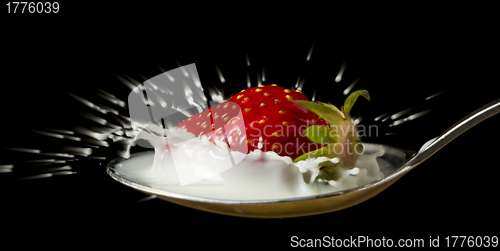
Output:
(458, 128)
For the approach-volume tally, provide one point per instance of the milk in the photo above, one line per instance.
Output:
(254, 176)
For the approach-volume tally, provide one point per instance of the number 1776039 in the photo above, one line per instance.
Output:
(32, 7)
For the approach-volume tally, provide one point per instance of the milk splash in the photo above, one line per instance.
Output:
(258, 175)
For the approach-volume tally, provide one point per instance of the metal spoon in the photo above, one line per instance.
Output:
(398, 162)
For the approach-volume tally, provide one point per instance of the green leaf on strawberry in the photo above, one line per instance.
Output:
(320, 134)
(327, 173)
(349, 102)
(322, 152)
(334, 142)
(334, 108)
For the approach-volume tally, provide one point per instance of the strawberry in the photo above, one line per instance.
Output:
(284, 121)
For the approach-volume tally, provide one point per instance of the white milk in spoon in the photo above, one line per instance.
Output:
(255, 176)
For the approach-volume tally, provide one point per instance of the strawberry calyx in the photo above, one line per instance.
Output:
(340, 138)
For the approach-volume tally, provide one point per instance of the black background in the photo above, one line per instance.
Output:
(452, 193)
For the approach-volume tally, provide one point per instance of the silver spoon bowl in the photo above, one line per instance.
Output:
(394, 164)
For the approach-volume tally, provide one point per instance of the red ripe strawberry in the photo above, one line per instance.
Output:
(268, 116)
(272, 118)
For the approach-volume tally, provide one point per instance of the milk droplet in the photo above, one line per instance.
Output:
(355, 171)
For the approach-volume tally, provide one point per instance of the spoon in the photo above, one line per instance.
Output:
(397, 161)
